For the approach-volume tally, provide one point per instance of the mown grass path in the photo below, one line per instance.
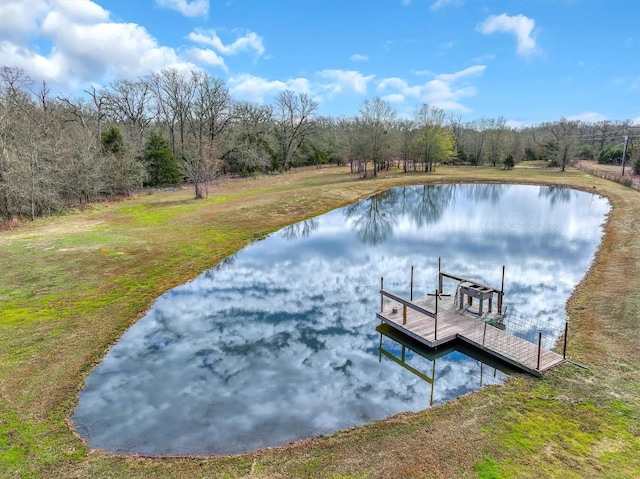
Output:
(70, 286)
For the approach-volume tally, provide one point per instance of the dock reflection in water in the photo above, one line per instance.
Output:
(422, 361)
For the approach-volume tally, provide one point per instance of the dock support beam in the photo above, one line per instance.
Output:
(381, 297)
(564, 347)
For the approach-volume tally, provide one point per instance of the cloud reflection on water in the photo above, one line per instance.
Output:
(278, 343)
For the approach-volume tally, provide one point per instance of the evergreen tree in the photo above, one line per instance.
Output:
(508, 162)
(112, 141)
(159, 161)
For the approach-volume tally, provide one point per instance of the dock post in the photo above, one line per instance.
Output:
(435, 329)
(381, 296)
(566, 332)
(439, 276)
(501, 293)
(411, 283)
(539, 347)
(404, 314)
(484, 333)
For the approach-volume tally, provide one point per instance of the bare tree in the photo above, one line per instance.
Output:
(351, 143)
(477, 134)
(406, 136)
(293, 123)
(249, 145)
(128, 103)
(377, 117)
(14, 83)
(98, 103)
(496, 136)
(563, 141)
(174, 91)
(201, 164)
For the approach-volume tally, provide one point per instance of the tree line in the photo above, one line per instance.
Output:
(58, 152)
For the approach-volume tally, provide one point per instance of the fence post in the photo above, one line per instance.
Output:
(539, 347)
(566, 332)
(381, 296)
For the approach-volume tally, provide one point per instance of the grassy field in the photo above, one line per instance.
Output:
(71, 285)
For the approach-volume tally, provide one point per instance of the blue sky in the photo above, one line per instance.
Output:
(528, 61)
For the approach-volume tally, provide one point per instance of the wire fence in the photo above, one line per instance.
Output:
(629, 179)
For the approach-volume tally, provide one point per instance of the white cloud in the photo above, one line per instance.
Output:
(345, 80)
(516, 124)
(193, 8)
(471, 71)
(442, 91)
(356, 57)
(402, 86)
(36, 66)
(636, 120)
(248, 42)
(86, 46)
(438, 4)
(88, 50)
(255, 89)
(394, 98)
(588, 116)
(18, 19)
(519, 25)
(207, 56)
(85, 12)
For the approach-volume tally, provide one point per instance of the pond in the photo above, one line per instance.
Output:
(279, 343)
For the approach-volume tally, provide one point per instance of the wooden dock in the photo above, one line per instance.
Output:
(434, 321)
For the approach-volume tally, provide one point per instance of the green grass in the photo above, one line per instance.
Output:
(73, 284)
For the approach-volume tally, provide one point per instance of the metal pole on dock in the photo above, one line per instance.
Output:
(411, 283)
(566, 332)
(484, 333)
(501, 293)
(381, 296)
(435, 330)
(439, 275)
(539, 347)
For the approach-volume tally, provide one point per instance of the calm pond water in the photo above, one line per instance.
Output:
(279, 342)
